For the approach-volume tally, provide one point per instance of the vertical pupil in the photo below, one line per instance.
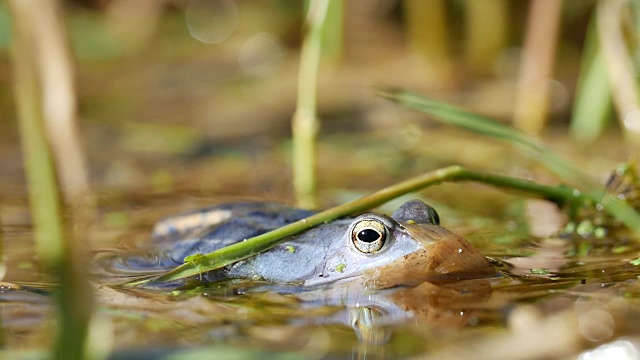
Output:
(368, 235)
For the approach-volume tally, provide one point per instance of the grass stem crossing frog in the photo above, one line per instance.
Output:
(379, 251)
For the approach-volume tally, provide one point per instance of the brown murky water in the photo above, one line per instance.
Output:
(555, 297)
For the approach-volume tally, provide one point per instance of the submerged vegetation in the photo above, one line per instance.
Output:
(186, 102)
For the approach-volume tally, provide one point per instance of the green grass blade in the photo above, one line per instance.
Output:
(486, 33)
(304, 123)
(452, 115)
(333, 29)
(44, 198)
(201, 263)
(593, 100)
(625, 92)
(429, 39)
(53, 244)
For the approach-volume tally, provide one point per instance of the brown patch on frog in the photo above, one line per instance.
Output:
(445, 257)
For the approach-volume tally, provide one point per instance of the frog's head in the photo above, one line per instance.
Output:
(407, 248)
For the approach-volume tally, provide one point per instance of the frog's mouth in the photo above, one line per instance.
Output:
(444, 257)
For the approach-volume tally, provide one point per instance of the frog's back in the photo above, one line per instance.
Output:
(375, 250)
(206, 230)
(223, 220)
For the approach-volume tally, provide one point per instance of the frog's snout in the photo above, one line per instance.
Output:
(443, 257)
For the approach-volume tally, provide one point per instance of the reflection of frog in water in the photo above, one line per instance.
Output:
(380, 251)
(379, 270)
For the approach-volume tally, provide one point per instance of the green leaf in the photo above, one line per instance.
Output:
(452, 115)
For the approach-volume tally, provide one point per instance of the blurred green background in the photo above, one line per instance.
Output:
(166, 83)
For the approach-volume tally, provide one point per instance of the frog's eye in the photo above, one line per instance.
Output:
(369, 235)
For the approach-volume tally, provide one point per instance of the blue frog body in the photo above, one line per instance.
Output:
(379, 251)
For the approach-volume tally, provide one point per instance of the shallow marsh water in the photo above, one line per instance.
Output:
(555, 297)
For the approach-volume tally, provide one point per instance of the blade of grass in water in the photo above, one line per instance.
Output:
(593, 100)
(428, 37)
(332, 30)
(622, 79)
(201, 263)
(305, 123)
(37, 29)
(536, 67)
(486, 32)
(44, 198)
(452, 115)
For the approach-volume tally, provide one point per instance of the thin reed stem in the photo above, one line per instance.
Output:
(453, 115)
(45, 97)
(487, 24)
(538, 58)
(592, 105)
(304, 122)
(201, 263)
(622, 79)
(429, 38)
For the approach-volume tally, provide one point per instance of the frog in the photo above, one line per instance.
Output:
(372, 249)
